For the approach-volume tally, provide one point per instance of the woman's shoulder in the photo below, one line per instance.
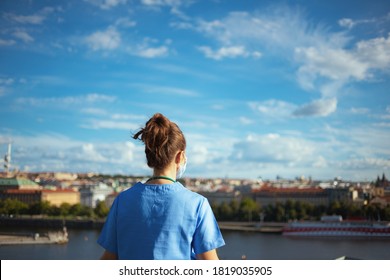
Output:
(132, 189)
(191, 194)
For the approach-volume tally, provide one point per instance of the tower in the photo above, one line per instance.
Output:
(7, 159)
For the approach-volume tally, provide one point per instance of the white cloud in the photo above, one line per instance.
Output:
(350, 23)
(6, 81)
(128, 117)
(171, 3)
(274, 29)
(358, 141)
(167, 90)
(35, 19)
(246, 121)
(375, 52)
(66, 100)
(106, 4)
(4, 85)
(320, 162)
(109, 39)
(57, 152)
(125, 22)
(198, 154)
(273, 109)
(94, 111)
(280, 110)
(274, 148)
(7, 42)
(150, 52)
(31, 19)
(227, 52)
(359, 111)
(111, 121)
(217, 107)
(322, 153)
(110, 124)
(150, 48)
(317, 108)
(347, 22)
(325, 61)
(364, 163)
(334, 64)
(285, 33)
(24, 36)
(96, 97)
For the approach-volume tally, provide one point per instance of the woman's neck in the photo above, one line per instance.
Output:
(167, 175)
(169, 171)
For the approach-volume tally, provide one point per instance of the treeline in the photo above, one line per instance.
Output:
(249, 210)
(15, 207)
(245, 210)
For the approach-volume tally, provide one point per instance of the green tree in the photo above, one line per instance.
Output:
(76, 210)
(386, 213)
(319, 211)
(290, 208)
(369, 212)
(280, 214)
(86, 211)
(39, 208)
(225, 211)
(249, 209)
(101, 210)
(65, 209)
(13, 207)
(235, 208)
(54, 211)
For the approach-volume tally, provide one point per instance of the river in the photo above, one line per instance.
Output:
(255, 246)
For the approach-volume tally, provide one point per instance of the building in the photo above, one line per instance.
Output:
(219, 197)
(270, 195)
(346, 194)
(25, 196)
(54, 197)
(18, 183)
(110, 199)
(313, 195)
(91, 193)
(57, 197)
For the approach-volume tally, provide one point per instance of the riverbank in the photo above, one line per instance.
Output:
(13, 238)
(55, 223)
(58, 223)
(264, 227)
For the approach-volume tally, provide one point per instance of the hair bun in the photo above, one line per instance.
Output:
(160, 120)
(162, 139)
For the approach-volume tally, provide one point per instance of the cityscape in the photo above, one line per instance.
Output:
(62, 190)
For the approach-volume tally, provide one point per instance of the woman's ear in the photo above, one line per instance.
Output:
(178, 157)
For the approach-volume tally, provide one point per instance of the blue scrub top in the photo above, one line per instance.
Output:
(160, 222)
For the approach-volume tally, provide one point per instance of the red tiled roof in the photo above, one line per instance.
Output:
(11, 191)
(38, 191)
(290, 190)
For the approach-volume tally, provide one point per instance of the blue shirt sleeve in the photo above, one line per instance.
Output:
(207, 235)
(108, 235)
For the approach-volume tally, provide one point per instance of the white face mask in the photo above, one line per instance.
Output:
(182, 169)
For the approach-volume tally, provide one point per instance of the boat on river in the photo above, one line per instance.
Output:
(335, 226)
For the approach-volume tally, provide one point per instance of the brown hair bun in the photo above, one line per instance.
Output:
(162, 139)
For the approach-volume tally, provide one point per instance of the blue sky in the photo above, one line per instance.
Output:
(260, 88)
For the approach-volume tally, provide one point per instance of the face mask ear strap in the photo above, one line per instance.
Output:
(182, 167)
(185, 156)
